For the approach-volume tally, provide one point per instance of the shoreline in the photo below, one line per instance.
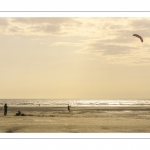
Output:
(117, 108)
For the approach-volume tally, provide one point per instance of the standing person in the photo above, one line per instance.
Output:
(68, 108)
(5, 109)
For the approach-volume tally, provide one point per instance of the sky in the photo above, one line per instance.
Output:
(74, 58)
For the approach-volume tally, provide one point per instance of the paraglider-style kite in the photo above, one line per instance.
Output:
(138, 36)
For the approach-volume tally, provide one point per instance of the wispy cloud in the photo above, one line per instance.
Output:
(108, 38)
(38, 26)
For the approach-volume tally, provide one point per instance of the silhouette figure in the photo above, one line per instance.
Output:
(18, 113)
(69, 108)
(5, 109)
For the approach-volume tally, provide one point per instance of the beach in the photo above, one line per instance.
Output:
(44, 119)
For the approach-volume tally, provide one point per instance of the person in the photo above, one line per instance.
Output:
(5, 109)
(69, 108)
(18, 113)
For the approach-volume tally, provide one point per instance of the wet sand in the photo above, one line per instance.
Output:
(79, 120)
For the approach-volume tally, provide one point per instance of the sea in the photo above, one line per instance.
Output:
(75, 102)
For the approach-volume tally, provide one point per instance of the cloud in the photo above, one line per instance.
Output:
(108, 38)
(38, 26)
(15, 29)
(118, 51)
(45, 29)
(109, 47)
(140, 23)
(66, 44)
(3, 22)
(43, 20)
(46, 26)
(74, 26)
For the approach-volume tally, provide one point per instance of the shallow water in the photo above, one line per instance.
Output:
(74, 102)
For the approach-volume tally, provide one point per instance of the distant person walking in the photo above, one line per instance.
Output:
(5, 109)
(69, 108)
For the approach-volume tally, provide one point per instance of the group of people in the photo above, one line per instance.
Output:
(5, 109)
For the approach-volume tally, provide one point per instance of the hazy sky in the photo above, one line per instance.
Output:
(74, 58)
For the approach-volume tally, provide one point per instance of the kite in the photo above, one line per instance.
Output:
(138, 36)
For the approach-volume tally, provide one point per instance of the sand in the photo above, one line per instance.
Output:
(40, 119)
